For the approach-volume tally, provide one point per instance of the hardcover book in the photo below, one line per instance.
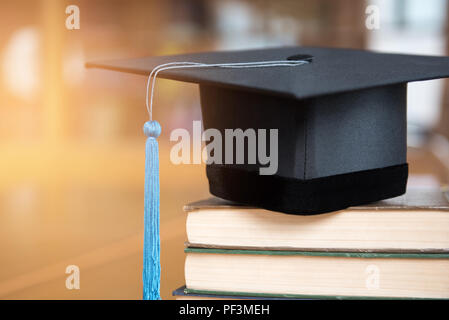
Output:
(415, 222)
(298, 274)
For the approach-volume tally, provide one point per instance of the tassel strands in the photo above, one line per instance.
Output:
(151, 247)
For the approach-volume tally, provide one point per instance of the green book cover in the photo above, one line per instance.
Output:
(368, 255)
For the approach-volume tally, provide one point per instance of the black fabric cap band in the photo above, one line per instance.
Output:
(307, 197)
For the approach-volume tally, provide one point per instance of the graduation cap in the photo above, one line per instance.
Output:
(341, 121)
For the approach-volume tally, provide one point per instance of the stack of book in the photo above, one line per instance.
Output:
(396, 248)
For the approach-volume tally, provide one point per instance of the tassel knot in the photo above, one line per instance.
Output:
(152, 129)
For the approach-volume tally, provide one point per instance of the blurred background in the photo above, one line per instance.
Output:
(71, 141)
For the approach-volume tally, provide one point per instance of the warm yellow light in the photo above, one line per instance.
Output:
(21, 63)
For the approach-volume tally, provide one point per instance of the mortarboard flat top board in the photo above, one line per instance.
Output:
(331, 71)
(341, 120)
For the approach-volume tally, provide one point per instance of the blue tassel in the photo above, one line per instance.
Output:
(151, 246)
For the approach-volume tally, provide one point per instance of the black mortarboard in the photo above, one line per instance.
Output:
(341, 121)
